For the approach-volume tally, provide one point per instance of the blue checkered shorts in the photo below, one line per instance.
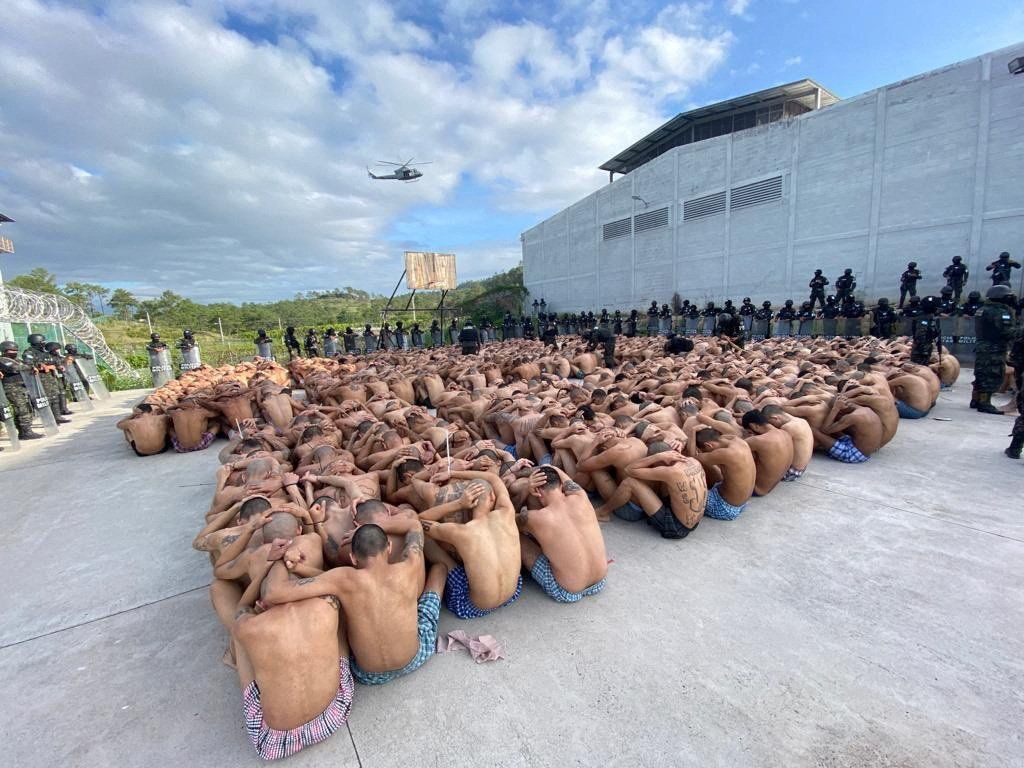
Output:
(456, 595)
(844, 450)
(719, 508)
(427, 613)
(541, 573)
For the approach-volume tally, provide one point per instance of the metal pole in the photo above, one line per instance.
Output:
(148, 322)
(413, 300)
(220, 326)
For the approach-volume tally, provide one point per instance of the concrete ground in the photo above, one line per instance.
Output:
(865, 615)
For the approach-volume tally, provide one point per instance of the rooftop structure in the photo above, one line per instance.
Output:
(741, 113)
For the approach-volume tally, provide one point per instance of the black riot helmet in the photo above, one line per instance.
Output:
(1004, 255)
(36, 339)
(290, 330)
(8, 346)
(262, 333)
(957, 259)
(368, 326)
(883, 302)
(830, 299)
(817, 272)
(766, 304)
(53, 347)
(912, 265)
(998, 292)
(847, 271)
(71, 349)
(746, 299)
(724, 319)
(187, 333)
(974, 296)
(789, 302)
(728, 302)
(930, 304)
(348, 330)
(915, 299)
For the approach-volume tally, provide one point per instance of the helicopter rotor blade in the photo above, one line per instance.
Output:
(388, 162)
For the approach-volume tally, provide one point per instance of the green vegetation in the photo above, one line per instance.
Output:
(225, 331)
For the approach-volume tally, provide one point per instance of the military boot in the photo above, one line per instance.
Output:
(1016, 443)
(64, 410)
(26, 433)
(985, 404)
(974, 397)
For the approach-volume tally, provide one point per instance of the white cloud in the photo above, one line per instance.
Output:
(737, 7)
(792, 61)
(153, 146)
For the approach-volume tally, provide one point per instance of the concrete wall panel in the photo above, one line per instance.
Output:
(931, 247)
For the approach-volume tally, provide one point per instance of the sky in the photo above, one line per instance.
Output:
(219, 149)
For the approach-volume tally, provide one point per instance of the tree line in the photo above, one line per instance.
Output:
(340, 307)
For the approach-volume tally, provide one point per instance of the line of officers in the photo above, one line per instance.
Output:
(37, 380)
(351, 342)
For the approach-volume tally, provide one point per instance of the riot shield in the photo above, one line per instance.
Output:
(437, 337)
(652, 325)
(78, 389)
(39, 401)
(87, 370)
(190, 358)
(828, 327)
(265, 349)
(966, 331)
(692, 324)
(160, 366)
(369, 344)
(748, 323)
(7, 417)
(905, 326)
(805, 327)
(330, 346)
(759, 330)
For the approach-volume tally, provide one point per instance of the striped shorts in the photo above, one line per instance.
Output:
(427, 613)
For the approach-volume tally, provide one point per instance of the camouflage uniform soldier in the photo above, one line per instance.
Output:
(995, 329)
(1017, 361)
(14, 389)
(37, 357)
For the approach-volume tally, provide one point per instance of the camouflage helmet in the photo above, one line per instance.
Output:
(998, 292)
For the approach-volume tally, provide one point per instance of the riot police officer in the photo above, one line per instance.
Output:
(469, 338)
(765, 312)
(913, 309)
(631, 323)
(947, 304)
(617, 322)
(788, 311)
(846, 283)
(972, 305)
(709, 310)
(312, 343)
(291, 343)
(728, 307)
(956, 276)
(883, 318)
(370, 339)
(264, 344)
(59, 362)
(730, 326)
(36, 356)
(908, 282)
(1001, 269)
(652, 318)
(925, 332)
(155, 344)
(995, 329)
(330, 342)
(599, 335)
(417, 336)
(349, 340)
(817, 286)
(852, 308)
(747, 308)
(14, 388)
(831, 310)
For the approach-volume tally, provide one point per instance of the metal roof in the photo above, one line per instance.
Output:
(5, 219)
(799, 90)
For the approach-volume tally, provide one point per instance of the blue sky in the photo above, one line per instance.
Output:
(219, 147)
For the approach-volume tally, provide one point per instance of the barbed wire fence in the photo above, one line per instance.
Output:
(21, 306)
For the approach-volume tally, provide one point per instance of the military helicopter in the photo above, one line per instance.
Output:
(402, 172)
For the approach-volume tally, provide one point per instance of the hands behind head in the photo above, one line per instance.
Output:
(277, 549)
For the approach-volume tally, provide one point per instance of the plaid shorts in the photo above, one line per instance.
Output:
(204, 442)
(272, 744)
(792, 474)
(427, 613)
(845, 451)
(541, 573)
(456, 595)
(719, 508)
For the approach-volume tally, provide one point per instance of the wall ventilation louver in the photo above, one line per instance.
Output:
(650, 220)
(620, 228)
(708, 205)
(754, 194)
